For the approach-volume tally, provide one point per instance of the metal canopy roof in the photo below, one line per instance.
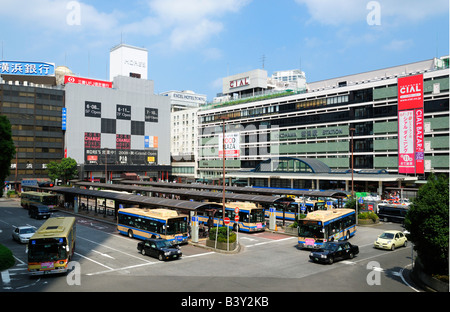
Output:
(245, 190)
(262, 199)
(135, 199)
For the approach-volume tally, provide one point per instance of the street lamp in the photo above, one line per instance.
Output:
(352, 131)
(223, 118)
(106, 165)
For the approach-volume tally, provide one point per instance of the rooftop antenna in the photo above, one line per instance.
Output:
(263, 59)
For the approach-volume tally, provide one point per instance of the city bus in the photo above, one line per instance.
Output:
(322, 226)
(144, 223)
(251, 217)
(42, 198)
(294, 208)
(392, 212)
(51, 248)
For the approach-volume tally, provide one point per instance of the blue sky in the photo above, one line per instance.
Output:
(193, 44)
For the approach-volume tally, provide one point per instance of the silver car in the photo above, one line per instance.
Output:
(23, 233)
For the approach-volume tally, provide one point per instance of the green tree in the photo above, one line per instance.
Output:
(427, 222)
(7, 149)
(64, 170)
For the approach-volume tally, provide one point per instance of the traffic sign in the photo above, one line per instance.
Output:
(226, 220)
(236, 210)
(236, 218)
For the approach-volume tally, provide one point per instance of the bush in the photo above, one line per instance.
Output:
(222, 235)
(368, 215)
(6, 258)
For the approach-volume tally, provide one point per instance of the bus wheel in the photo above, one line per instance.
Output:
(130, 233)
(347, 237)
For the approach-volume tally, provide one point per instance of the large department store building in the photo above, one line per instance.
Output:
(304, 140)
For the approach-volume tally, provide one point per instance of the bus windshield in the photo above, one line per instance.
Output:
(49, 200)
(310, 229)
(48, 249)
(257, 215)
(176, 226)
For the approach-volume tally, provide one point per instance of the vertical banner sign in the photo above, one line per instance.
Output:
(406, 141)
(232, 145)
(410, 125)
(420, 146)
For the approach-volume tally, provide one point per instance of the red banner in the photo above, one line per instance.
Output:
(410, 92)
(420, 149)
(87, 82)
(406, 141)
(410, 125)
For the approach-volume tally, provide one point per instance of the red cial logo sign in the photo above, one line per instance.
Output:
(410, 92)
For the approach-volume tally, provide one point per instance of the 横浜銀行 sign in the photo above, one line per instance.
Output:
(27, 68)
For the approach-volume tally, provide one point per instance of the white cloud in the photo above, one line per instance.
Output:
(192, 22)
(338, 12)
(52, 15)
(180, 24)
(399, 45)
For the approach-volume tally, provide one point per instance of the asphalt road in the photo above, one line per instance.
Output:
(106, 261)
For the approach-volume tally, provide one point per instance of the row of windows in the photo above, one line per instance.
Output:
(36, 139)
(32, 106)
(34, 117)
(38, 150)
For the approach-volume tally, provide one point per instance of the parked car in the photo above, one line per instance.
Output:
(391, 240)
(38, 211)
(332, 251)
(22, 234)
(159, 248)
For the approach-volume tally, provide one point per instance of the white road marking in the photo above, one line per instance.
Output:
(144, 264)
(93, 261)
(104, 255)
(271, 241)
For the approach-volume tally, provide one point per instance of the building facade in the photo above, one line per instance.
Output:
(33, 103)
(111, 131)
(323, 122)
(184, 124)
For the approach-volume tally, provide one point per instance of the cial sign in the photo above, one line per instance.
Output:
(239, 82)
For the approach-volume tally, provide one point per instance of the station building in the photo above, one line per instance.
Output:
(313, 139)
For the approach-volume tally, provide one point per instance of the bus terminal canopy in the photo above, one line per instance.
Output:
(135, 199)
(245, 190)
(217, 196)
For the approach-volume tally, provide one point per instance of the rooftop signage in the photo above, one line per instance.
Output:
(27, 68)
(87, 82)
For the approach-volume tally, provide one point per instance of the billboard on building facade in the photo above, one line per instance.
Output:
(232, 144)
(87, 82)
(410, 125)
